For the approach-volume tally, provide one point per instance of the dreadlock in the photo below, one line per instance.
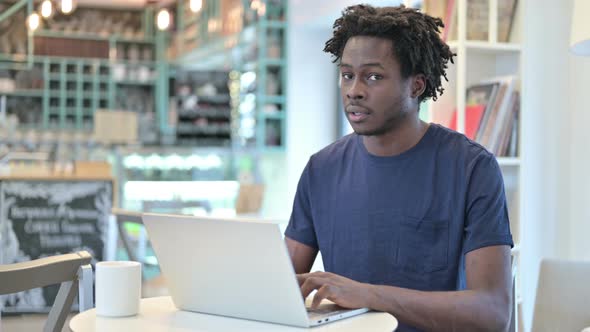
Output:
(415, 37)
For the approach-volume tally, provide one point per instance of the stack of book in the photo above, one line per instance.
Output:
(491, 115)
(478, 16)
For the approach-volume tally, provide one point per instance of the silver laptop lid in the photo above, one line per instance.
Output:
(230, 267)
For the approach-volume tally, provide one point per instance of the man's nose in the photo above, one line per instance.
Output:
(356, 91)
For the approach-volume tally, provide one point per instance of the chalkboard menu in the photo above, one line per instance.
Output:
(46, 218)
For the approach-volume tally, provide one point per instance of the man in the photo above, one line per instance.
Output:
(410, 217)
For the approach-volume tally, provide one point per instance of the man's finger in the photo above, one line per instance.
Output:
(302, 277)
(310, 284)
(324, 274)
(323, 292)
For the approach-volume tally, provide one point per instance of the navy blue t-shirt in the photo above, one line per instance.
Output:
(406, 220)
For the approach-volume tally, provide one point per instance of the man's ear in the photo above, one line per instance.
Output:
(418, 85)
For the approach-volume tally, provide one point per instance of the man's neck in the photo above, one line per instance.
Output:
(398, 140)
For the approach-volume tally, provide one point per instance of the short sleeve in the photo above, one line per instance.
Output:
(487, 221)
(300, 226)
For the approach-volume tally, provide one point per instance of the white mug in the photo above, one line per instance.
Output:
(118, 288)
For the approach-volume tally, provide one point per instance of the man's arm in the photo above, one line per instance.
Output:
(301, 255)
(484, 306)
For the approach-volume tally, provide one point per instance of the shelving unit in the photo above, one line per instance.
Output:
(133, 59)
(479, 61)
(251, 40)
(268, 65)
(202, 105)
(23, 93)
(486, 47)
(73, 88)
(508, 161)
(83, 67)
(73, 92)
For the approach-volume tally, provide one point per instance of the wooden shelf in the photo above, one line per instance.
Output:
(273, 24)
(96, 93)
(274, 116)
(127, 62)
(275, 62)
(90, 36)
(253, 65)
(23, 93)
(13, 57)
(272, 99)
(135, 82)
(220, 113)
(486, 47)
(508, 161)
(69, 109)
(83, 77)
(215, 99)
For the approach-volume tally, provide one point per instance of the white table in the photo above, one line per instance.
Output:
(160, 314)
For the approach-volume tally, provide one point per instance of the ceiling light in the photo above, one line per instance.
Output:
(67, 6)
(196, 5)
(33, 21)
(261, 9)
(46, 8)
(163, 19)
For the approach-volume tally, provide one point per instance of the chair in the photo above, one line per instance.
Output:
(168, 206)
(249, 199)
(563, 290)
(72, 271)
(134, 217)
(122, 217)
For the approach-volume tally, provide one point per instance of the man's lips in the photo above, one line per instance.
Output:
(356, 109)
(357, 113)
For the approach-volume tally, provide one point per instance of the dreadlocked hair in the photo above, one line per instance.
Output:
(415, 37)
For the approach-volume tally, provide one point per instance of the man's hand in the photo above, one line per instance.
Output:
(344, 292)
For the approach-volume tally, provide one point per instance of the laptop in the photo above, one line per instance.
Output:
(233, 267)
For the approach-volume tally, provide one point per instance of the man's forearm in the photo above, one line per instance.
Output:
(467, 310)
(484, 307)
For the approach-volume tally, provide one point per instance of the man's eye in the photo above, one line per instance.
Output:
(346, 76)
(375, 77)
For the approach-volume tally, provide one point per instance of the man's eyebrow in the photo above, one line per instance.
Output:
(370, 64)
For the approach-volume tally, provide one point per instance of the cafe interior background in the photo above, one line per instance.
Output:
(214, 107)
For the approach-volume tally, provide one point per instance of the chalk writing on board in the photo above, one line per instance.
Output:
(46, 218)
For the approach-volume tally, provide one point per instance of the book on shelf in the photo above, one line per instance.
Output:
(506, 14)
(478, 16)
(500, 115)
(491, 115)
(484, 133)
(473, 115)
(513, 143)
(478, 102)
(507, 125)
(450, 20)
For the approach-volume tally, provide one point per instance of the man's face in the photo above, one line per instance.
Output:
(376, 98)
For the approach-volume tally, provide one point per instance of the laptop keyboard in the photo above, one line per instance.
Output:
(326, 309)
